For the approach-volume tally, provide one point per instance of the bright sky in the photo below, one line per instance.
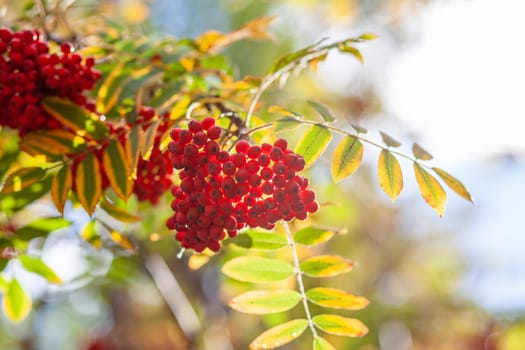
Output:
(461, 87)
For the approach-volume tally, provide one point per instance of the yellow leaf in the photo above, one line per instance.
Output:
(389, 174)
(279, 335)
(431, 190)
(122, 240)
(325, 266)
(342, 326)
(336, 299)
(17, 302)
(454, 184)
(347, 158)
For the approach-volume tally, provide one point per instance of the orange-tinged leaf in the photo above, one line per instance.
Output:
(118, 169)
(208, 40)
(336, 299)
(22, 178)
(339, 325)
(134, 144)
(431, 190)
(17, 302)
(75, 116)
(389, 174)
(88, 183)
(389, 140)
(257, 270)
(261, 302)
(122, 240)
(454, 184)
(314, 62)
(420, 153)
(60, 187)
(347, 158)
(279, 335)
(51, 143)
(322, 344)
(325, 266)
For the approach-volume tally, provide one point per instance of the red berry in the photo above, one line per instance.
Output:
(207, 123)
(242, 146)
(214, 132)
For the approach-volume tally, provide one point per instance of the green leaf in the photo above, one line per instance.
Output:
(262, 302)
(368, 36)
(3, 284)
(338, 325)
(285, 124)
(22, 178)
(322, 344)
(420, 153)
(149, 138)
(454, 184)
(88, 181)
(336, 299)
(280, 335)
(313, 143)
(52, 143)
(260, 240)
(431, 190)
(257, 270)
(60, 187)
(352, 51)
(12, 202)
(75, 117)
(41, 227)
(118, 213)
(347, 158)
(312, 235)
(389, 140)
(36, 265)
(17, 303)
(389, 174)
(118, 169)
(359, 128)
(322, 110)
(325, 266)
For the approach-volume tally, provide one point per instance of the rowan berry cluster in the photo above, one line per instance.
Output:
(221, 192)
(153, 174)
(29, 72)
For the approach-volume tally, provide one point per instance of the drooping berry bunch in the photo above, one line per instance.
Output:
(221, 192)
(154, 174)
(29, 72)
(153, 177)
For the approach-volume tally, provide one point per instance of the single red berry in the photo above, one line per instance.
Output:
(242, 146)
(214, 132)
(281, 143)
(207, 123)
(194, 125)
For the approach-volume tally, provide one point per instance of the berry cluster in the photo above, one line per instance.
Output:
(154, 174)
(29, 72)
(221, 192)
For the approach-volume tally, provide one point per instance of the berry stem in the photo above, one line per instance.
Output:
(299, 275)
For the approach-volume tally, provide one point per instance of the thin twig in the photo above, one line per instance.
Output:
(299, 276)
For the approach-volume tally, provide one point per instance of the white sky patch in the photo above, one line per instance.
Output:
(461, 87)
